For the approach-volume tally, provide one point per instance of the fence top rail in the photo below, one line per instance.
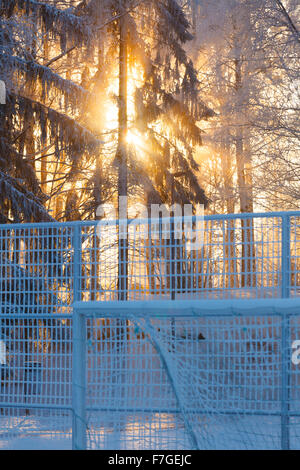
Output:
(35, 316)
(87, 223)
(180, 308)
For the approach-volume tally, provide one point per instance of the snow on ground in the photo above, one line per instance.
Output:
(41, 443)
(233, 432)
(35, 433)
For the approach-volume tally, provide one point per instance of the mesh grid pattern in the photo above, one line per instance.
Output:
(45, 267)
(36, 381)
(236, 371)
(248, 257)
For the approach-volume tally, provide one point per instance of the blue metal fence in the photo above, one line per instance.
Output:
(46, 267)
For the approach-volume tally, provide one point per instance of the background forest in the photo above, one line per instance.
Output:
(108, 98)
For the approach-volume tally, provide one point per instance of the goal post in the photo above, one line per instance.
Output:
(263, 306)
(194, 374)
(79, 382)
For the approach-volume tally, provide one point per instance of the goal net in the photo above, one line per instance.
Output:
(186, 375)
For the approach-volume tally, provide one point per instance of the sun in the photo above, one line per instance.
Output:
(133, 138)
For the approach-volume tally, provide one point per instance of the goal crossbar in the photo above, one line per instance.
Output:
(188, 307)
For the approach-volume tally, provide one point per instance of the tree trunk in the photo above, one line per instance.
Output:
(243, 159)
(122, 155)
(230, 249)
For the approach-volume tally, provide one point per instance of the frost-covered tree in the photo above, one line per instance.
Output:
(102, 100)
(169, 97)
(60, 132)
(39, 118)
(247, 58)
(158, 105)
(247, 65)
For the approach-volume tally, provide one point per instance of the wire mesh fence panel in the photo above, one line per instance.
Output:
(36, 378)
(235, 256)
(295, 255)
(46, 267)
(36, 266)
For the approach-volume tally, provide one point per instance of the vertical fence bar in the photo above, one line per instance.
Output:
(79, 383)
(285, 333)
(77, 263)
(173, 277)
(78, 352)
(285, 376)
(285, 256)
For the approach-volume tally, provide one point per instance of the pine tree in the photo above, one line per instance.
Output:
(167, 104)
(41, 115)
(57, 64)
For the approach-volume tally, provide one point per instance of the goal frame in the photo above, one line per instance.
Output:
(172, 309)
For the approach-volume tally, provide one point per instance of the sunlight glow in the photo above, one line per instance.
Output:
(133, 138)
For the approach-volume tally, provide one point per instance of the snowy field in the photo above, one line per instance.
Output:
(252, 432)
(38, 430)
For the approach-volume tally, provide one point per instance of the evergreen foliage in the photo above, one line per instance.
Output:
(58, 62)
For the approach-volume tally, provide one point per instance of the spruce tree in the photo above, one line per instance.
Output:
(57, 64)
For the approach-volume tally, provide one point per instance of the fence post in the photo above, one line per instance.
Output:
(77, 263)
(78, 352)
(285, 337)
(79, 383)
(285, 256)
